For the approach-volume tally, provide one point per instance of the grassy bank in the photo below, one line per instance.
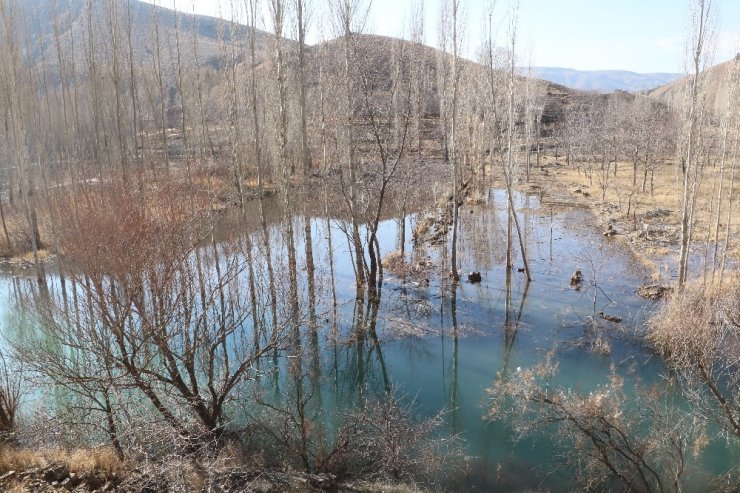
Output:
(647, 220)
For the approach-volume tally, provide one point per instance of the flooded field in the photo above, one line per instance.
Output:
(438, 344)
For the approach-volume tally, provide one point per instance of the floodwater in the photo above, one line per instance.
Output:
(444, 346)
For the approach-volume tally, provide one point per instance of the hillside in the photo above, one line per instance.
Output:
(378, 55)
(68, 24)
(603, 80)
(212, 45)
(73, 27)
(715, 80)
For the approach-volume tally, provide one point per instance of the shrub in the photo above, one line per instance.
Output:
(697, 331)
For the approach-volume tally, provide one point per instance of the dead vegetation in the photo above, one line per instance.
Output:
(605, 438)
(697, 331)
(156, 329)
(417, 268)
(654, 292)
(25, 470)
(434, 226)
(378, 446)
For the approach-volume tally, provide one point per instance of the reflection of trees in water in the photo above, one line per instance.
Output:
(511, 324)
(483, 241)
(337, 346)
(454, 362)
(309, 309)
(364, 362)
(178, 331)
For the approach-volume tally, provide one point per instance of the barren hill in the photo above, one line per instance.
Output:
(74, 25)
(144, 34)
(715, 81)
(380, 54)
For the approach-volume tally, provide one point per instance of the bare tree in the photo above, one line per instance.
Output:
(389, 124)
(349, 18)
(507, 159)
(454, 12)
(726, 124)
(14, 94)
(150, 325)
(302, 21)
(12, 388)
(277, 11)
(702, 17)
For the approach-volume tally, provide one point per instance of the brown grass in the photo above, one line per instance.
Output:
(367, 487)
(20, 241)
(18, 489)
(692, 321)
(475, 197)
(395, 263)
(667, 195)
(99, 460)
(698, 334)
(43, 254)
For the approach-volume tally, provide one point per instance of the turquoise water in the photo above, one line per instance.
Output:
(444, 346)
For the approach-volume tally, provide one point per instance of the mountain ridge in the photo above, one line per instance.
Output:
(603, 80)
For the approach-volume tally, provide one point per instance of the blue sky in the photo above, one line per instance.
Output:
(637, 35)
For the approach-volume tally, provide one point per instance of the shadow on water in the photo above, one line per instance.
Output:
(443, 344)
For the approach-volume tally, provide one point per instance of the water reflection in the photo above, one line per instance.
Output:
(442, 344)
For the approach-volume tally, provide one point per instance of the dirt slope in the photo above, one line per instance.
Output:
(715, 82)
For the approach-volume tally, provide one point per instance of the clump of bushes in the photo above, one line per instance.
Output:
(697, 332)
(379, 439)
(610, 438)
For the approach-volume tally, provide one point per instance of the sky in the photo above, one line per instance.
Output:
(636, 35)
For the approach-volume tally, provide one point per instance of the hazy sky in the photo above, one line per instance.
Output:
(637, 35)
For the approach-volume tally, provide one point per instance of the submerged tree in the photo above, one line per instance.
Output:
(454, 12)
(389, 125)
(349, 18)
(509, 167)
(147, 322)
(503, 142)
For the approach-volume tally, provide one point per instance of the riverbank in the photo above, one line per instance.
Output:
(646, 220)
(100, 470)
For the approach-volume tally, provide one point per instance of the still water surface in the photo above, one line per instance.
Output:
(445, 347)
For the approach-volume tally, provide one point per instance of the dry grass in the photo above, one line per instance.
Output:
(18, 489)
(367, 487)
(475, 197)
(394, 262)
(27, 257)
(98, 460)
(398, 265)
(422, 228)
(697, 332)
(18, 241)
(667, 196)
(695, 321)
